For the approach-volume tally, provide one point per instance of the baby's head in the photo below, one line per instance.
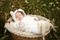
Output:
(19, 15)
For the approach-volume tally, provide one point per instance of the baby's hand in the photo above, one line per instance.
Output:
(20, 23)
(21, 26)
(36, 19)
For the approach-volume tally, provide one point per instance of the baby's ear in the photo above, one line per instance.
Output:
(11, 13)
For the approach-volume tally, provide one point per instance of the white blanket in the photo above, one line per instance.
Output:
(28, 24)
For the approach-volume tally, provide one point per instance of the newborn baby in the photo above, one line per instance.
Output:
(17, 16)
(25, 23)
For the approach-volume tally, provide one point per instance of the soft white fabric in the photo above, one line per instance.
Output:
(10, 28)
(45, 27)
(31, 25)
(27, 24)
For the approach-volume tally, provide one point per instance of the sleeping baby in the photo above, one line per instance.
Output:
(17, 16)
(31, 24)
(24, 22)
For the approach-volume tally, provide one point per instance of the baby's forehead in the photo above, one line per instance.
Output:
(18, 12)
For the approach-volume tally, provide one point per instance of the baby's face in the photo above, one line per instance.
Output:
(18, 16)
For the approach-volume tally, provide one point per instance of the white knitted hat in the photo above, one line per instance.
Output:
(13, 13)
